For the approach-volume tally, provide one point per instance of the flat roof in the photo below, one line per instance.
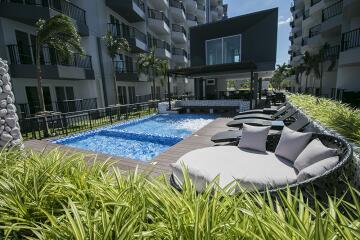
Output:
(238, 67)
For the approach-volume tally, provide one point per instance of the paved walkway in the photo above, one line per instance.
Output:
(160, 164)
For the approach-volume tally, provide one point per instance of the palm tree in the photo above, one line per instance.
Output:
(319, 61)
(114, 47)
(152, 65)
(57, 32)
(307, 67)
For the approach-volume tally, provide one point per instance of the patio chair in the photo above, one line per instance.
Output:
(262, 171)
(266, 116)
(234, 135)
(264, 110)
(277, 123)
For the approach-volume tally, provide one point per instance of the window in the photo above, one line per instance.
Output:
(33, 99)
(132, 97)
(223, 50)
(122, 94)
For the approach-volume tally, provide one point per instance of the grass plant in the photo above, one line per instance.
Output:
(56, 195)
(332, 114)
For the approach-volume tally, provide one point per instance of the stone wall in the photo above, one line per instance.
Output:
(10, 135)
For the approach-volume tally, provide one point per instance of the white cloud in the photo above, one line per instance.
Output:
(281, 22)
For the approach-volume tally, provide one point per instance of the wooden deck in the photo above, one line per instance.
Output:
(160, 164)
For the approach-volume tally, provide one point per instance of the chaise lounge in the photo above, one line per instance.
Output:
(279, 113)
(249, 169)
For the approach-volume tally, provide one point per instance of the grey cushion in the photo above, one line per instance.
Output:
(317, 169)
(291, 144)
(254, 137)
(251, 169)
(315, 151)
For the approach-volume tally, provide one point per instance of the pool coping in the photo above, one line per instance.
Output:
(158, 165)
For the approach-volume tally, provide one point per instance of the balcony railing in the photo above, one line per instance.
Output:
(297, 34)
(157, 43)
(159, 15)
(304, 41)
(178, 28)
(350, 40)
(313, 2)
(61, 6)
(306, 14)
(140, 4)
(292, 24)
(179, 52)
(191, 17)
(332, 52)
(332, 11)
(127, 32)
(177, 4)
(49, 56)
(292, 8)
(201, 7)
(315, 31)
(124, 66)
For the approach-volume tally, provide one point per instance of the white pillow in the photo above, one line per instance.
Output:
(254, 137)
(314, 152)
(318, 168)
(291, 144)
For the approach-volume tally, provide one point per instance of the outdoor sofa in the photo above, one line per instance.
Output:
(252, 170)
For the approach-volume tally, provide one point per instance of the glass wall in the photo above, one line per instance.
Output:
(223, 50)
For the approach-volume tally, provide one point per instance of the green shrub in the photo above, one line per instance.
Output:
(57, 196)
(332, 114)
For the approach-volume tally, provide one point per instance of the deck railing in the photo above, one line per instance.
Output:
(332, 52)
(177, 4)
(332, 11)
(24, 54)
(124, 66)
(59, 124)
(314, 2)
(127, 32)
(350, 40)
(140, 4)
(306, 14)
(157, 43)
(191, 17)
(179, 52)
(178, 28)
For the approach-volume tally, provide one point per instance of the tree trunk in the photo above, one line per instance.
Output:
(306, 83)
(39, 80)
(114, 79)
(154, 85)
(321, 78)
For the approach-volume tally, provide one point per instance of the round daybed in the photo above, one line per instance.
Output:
(259, 171)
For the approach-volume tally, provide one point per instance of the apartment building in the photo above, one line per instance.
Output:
(336, 22)
(86, 81)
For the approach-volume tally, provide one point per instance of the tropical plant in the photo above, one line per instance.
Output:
(153, 66)
(59, 33)
(280, 74)
(332, 114)
(115, 46)
(318, 63)
(307, 58)
(56, 195)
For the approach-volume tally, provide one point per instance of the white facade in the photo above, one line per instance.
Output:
(168, 35)
(337, 23)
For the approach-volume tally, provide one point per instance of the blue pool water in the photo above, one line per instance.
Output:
(141, 139)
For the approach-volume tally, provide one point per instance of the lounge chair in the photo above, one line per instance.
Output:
(265, 116)
(254, 170)
(234, 135)
(277, 123)
(264, 110)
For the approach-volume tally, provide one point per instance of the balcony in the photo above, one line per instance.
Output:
(332, 19)
(177, 10)
(191, 6)
(29, 12)
(316, 6)
(332, 52)
(125, 71)
(158, 21)
(201, 13)
(179, 34)
(179, 55)
(131, 10)
(214, 13)
(306, 14)
(54, 65)
(314, 2)
(160, 4)
(191, 20)
(350, 48)
(136, 39)
(314, 31)
(162, 48)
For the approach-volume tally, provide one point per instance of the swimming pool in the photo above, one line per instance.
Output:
(141, 139)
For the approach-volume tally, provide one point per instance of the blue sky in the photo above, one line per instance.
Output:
(240, 7)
